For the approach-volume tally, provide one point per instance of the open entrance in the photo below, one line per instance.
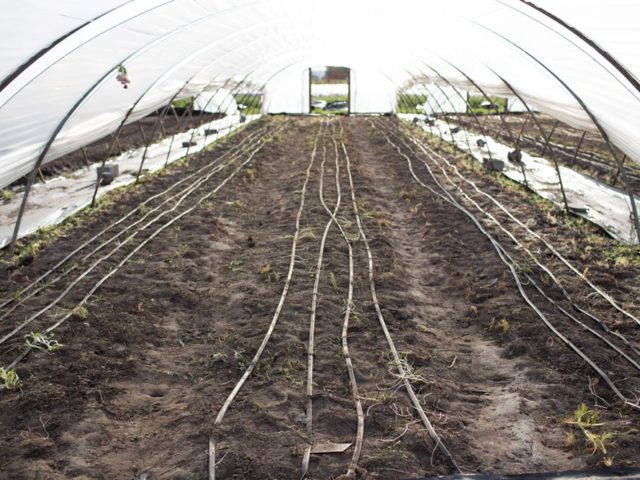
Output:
(329, 90)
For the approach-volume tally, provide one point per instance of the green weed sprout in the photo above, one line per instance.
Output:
(42, 341)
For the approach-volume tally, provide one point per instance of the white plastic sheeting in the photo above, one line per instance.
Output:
(515, 105)
(441, 98)
(62, 196)
(601, 204)
(219, 101)
(369, 91)
(170, 46)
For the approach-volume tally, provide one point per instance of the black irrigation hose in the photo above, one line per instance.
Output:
(357, 449)
(274, 320)
(126, 259)
(439, 445)
(183, 195)
(428, 151)
(38, 280)
(600, 292)
(314, 305)
(509, 262)
(37, 283)
(592, 159)
(538, 263)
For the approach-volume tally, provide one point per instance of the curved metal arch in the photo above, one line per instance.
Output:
(80, 101)
(593, 118)
(9, 97)
(582, 36)
(94, 88)
(114, 26)
(455, 89)
(34, 58)
(482, 91)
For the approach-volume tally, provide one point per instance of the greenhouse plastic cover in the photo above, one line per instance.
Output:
(59, 60)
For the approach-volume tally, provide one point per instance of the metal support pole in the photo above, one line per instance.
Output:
(605, 136)
(142, 134)
(349, 93)
(575, 153)
(85, 156)
(502, 120)
(106, 157)
(310, 89)
(178, 128)
(547, 145)
(615, 179)
(468, 106)
(548, 139)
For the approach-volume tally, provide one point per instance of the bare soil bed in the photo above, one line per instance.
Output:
(152, 352)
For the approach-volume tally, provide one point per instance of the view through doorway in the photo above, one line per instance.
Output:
(329, 90)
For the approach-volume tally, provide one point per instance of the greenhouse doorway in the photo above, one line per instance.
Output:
(330, 90)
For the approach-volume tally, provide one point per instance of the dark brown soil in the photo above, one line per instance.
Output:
(133, 135)
(142, 375)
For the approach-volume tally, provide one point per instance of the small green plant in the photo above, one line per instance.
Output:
(42, 341)
(182, 249)
(623, 255)
(587, 421)
(251, 173)
(269, 274)
(9, 379)
(242, 361)
(307, 233)
(524, 268)
(81, 312)
(334, 282)
(504, 325)
(236, 264)
(6, 195)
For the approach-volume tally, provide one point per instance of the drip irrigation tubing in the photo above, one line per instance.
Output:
(274, 320)
(557, 254)
(591, 159)
(314, 305)
(184, 195)
(428, 151)
(600, 322)
(509, 263)
(37, 283)
(130, 255)
(439, 444)
(344, 337)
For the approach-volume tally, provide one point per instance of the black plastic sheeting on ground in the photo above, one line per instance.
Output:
(618, 473)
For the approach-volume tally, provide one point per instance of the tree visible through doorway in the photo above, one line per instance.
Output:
(329, 90)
